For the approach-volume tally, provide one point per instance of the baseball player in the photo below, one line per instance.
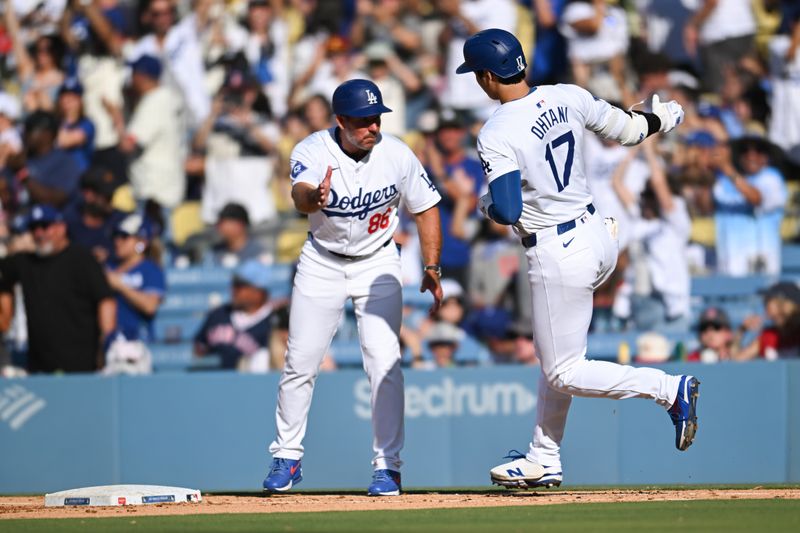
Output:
(350, 180)
(531, 151)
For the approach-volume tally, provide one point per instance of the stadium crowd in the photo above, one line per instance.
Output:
(144, 137)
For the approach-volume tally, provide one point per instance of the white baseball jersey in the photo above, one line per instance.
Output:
(361, 214)
(541, 135)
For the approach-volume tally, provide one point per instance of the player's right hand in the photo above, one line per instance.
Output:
(670, 113)
(324, 189)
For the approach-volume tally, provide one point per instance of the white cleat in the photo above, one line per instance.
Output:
(519, 473)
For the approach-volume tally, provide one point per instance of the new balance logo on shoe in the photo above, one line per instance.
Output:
(515, 472)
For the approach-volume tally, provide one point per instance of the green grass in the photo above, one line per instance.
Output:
(674, 517)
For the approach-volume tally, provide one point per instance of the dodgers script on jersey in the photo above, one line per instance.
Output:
(361, 214)
(541, 135)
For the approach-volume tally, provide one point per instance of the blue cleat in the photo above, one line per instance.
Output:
(684, 412)
(385, 483)
(283, 475)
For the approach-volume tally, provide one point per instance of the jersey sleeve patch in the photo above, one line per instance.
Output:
(297, 168)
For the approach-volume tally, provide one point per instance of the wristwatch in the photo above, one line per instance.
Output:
(435, 268)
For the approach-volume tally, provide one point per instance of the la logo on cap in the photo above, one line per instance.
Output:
(371, 98)
(520, 64)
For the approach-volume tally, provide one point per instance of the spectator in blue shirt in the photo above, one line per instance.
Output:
(459, 178)
(136, 278)
(76, 134)
(749, 200)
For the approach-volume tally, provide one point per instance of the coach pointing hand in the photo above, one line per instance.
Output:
(324, 189)
(349, 255)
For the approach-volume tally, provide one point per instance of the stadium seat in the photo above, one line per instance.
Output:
(123, 199)
(177, 304)
(198, 279)
(186, 221)
(177, 329)
(790, 259)
(203, 279)
(179, 358)
(703, 231)
(605, 346)
(728, 287)
(789, 227)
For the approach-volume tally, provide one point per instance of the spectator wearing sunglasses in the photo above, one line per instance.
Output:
(715, 336)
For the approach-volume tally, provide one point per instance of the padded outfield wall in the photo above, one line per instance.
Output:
(211, 430)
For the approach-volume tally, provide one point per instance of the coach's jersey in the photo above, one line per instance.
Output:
(361, 214)
(541, 135)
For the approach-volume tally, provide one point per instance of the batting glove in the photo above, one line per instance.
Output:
(670, 113)
(484, 202)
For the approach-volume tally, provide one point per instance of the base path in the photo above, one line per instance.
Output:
(33, 506)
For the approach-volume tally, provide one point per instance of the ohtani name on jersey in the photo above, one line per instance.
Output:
(361, 203)
(548, 119)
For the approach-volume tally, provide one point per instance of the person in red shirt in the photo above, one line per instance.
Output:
(781, 339)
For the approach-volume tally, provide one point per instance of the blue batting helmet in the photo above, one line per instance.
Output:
(497, 51)
(358, 98)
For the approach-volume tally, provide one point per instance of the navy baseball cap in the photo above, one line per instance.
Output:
(701, 138)
(358, 98)
(254, 273)
(71, 85)
(489, 322)
(147, 65)
(44, 214)
(135, 225)
(495, 50)
(709, 110)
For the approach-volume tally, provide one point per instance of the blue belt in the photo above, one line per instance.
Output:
(530, 240)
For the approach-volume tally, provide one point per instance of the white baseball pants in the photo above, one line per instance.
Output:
(564, 271)
(322, 285)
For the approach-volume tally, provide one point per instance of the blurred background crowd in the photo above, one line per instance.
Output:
(145, 215)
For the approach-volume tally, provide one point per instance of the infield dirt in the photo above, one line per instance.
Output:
(33, 506)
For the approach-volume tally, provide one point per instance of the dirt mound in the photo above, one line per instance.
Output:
(33, 506)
